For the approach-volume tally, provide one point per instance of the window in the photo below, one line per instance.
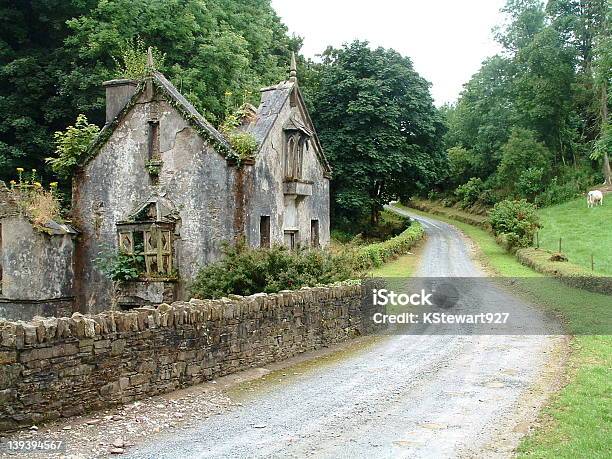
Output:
(294, 153)
(291, 239)
(314, 233)
(264, 231)
(153, 150)
(149, 232)
(153, 242)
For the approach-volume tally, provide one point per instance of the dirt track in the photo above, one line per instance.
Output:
(404, 396)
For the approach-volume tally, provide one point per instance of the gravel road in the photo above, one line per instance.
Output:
(404, 396)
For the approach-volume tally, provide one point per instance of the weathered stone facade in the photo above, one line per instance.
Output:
(156, 150)
(36, 264)
(53, 367)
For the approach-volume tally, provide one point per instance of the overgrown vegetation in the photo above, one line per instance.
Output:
(245, 271)
(514, 222)
(243, 143)
(38, 204)
(71, 145)
(119, 266)
(132, 60)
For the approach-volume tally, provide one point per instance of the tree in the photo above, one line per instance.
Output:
(522, 155)
(54, 55)
(378, 126)
(32, 34)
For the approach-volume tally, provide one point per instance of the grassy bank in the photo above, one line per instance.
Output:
(583, 232)
(577, 421)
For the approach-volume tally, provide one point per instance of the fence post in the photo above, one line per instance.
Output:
(537, 239)
(559, 245)
(592, 263)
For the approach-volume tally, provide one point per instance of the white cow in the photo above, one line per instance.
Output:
(594, 197)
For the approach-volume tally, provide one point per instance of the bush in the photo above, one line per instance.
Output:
(119, 266)
(71, 145)
(530, 183)
(515, 222)
(245, 271)
(469, 192)
(374, 255)
(569, 184)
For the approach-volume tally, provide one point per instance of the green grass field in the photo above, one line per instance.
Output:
(583, 232)
(577, 422)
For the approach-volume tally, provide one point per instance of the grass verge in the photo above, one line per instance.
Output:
(576, 422)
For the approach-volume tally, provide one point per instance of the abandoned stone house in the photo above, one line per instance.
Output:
(162, 182)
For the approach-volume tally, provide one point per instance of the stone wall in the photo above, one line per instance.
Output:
(54, 367)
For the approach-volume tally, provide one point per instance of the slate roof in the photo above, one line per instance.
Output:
(273, 98)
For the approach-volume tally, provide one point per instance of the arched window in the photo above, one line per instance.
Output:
(294, 156)
(290, 157)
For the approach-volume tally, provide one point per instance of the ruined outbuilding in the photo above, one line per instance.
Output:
(160, 181)
(36, 261)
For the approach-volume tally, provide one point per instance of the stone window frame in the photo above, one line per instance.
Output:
(293, 239)
(295, 144)
(315, 235)
(158, 245)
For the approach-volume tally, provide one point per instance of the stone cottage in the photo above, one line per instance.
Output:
(36, 261)
(162, 182)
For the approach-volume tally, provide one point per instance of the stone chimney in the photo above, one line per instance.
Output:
(118, 94)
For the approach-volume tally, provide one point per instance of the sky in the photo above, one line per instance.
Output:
(446, 39)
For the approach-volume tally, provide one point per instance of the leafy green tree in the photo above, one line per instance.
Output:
(54, 55)
(32, 34)
(484, 113)
(461, 164)
(378, 126)
(522, 152)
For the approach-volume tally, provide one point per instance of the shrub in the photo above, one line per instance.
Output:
(71, 145)
(374, 255)
(119, 266)
(514, 221)
(40, 205)
(569, 184)
(243, 143)
(132, 62)
(245, 271)
(530, 183)
(469, 192)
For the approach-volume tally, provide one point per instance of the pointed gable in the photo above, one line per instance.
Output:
(172, 95)
(273, 99)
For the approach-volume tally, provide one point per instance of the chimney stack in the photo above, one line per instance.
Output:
(118, 94)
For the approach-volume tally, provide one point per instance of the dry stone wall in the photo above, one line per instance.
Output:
(54, 367)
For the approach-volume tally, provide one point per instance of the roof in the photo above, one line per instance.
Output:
(273, 99)
(178, 101)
